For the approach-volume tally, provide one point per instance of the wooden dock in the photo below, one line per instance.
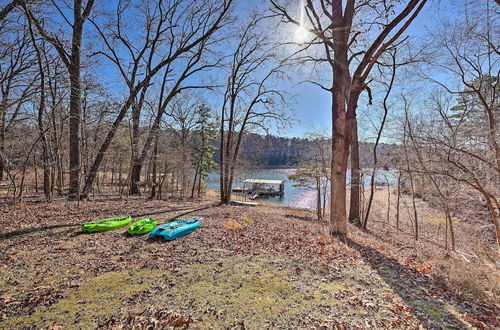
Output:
(256, 188)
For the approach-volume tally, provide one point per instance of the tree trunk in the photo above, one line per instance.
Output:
(2, 150)
(340, 135)
(338, 221)
(46, 154)
(412, 187)
(354, 209)
(75, 102)
(74, 132)
(155, 160)
(195, 180)
(36, 173)
(135, 171)
(318, 198)
(398, 200)
(135, 178)
(199, 186)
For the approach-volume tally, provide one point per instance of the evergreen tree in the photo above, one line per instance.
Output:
(204, 151)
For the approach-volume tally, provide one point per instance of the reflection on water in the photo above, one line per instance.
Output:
(299, 197)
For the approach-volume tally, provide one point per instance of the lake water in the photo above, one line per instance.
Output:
(299, 197)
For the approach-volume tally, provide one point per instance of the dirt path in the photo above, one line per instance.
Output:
(277, 271)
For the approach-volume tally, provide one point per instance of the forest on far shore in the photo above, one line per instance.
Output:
(275, 151)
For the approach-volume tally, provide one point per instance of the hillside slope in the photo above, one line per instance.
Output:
(277, 271)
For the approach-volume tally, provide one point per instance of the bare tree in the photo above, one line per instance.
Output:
(379, 135)
(71, 59)
(314, 172)
(16, 80)
(46, 152)
(176, 32)
(249, 98)
(465, 141)
(331, 25)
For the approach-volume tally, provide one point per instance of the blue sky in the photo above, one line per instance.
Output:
(311, 106)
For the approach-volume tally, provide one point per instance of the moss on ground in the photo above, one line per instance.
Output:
(98, 296)
(434, 311)
(249, 287)
(260, 291)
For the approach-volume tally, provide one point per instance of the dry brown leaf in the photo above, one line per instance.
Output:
(323, 240)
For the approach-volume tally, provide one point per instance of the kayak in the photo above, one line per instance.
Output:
(176, 229)
(142, 226)
(106, 224)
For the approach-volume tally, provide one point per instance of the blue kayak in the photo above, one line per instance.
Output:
(176, 229)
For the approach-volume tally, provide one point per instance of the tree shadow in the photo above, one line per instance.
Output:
(427, 298)
(188, 210)
(31, 230)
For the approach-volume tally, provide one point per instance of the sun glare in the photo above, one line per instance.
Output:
(301, 34)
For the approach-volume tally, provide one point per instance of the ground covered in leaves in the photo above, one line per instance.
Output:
(244, 268)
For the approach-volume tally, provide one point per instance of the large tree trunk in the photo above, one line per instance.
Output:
(338, 223)
(74, 133)
(340, 134)
(338, 191)
(75, 103)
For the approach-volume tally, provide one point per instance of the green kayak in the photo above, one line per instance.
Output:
(106, 224)
(142, 226)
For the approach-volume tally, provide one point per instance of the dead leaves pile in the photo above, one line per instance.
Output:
(232, 225)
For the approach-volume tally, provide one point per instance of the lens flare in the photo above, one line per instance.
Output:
(301, 34)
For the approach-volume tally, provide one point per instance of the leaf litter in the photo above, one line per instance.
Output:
(252, 268)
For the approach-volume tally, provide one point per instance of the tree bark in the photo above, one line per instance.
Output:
(355, 200)
(340, 126)
(155, 161)
(338, 223)
(75, 103)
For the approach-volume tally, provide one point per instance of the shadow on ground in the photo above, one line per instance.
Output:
(31, 230)
(431, 302)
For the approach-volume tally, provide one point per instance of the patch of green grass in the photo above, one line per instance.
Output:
(434, 311)
(246, 220)
(249, 288)
(252, 289)
(97, 296)
(439, 314)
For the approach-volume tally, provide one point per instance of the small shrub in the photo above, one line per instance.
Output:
(232, 225)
